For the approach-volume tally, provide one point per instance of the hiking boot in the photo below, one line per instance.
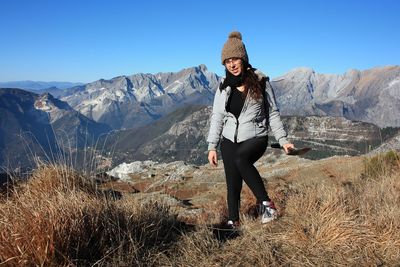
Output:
(268, 211)
(232, 230)
(233, 225)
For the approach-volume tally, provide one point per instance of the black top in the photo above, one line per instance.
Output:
(236, 102)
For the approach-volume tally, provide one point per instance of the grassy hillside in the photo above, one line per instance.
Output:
(337, 212)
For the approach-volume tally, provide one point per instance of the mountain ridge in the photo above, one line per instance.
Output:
(356, 95)
(370, 95)
(141, 100)
(135, 100)
(38, 85)
(33, 126)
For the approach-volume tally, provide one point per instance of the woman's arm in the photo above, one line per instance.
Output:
(274, 116)
(216, 123)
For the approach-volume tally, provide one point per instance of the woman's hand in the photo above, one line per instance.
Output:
(212, 158)
(286, 147)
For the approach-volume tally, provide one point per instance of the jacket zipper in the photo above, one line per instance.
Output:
(236, 131)
(237, 119)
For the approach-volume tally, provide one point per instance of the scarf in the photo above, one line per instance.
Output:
(232, 80)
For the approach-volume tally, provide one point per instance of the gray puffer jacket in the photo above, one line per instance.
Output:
(252, 122)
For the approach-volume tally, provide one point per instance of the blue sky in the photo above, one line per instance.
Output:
(85, 40)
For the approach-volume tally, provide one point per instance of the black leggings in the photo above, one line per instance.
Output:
(239, 159)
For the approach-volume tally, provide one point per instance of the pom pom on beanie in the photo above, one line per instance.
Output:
(237, 35)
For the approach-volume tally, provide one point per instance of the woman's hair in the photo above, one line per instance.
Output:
(252, 84)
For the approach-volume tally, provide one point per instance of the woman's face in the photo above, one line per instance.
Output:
(234, 65)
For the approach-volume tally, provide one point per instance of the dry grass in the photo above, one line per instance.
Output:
(382, 164)
(59, 219)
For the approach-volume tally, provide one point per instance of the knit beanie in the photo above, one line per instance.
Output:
(234, 47)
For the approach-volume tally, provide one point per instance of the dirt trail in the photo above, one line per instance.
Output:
(201, 191)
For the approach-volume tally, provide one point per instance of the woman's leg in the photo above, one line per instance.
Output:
(246, 155)
(233, 178)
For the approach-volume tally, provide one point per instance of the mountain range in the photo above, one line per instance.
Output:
(37, 85)
(154, 111)
(133, 101)
(372, 95)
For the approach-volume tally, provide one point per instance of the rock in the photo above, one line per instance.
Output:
(104, 177)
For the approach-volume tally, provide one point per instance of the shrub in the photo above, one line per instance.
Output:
(381, 164)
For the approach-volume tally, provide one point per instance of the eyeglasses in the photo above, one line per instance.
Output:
(232, 60)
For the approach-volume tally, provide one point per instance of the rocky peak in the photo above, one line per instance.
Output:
(367, 94)
(131, 101)
(302, 71)
(54, 107)
(202, 68)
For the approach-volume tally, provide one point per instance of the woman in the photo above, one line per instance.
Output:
(243, 107)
